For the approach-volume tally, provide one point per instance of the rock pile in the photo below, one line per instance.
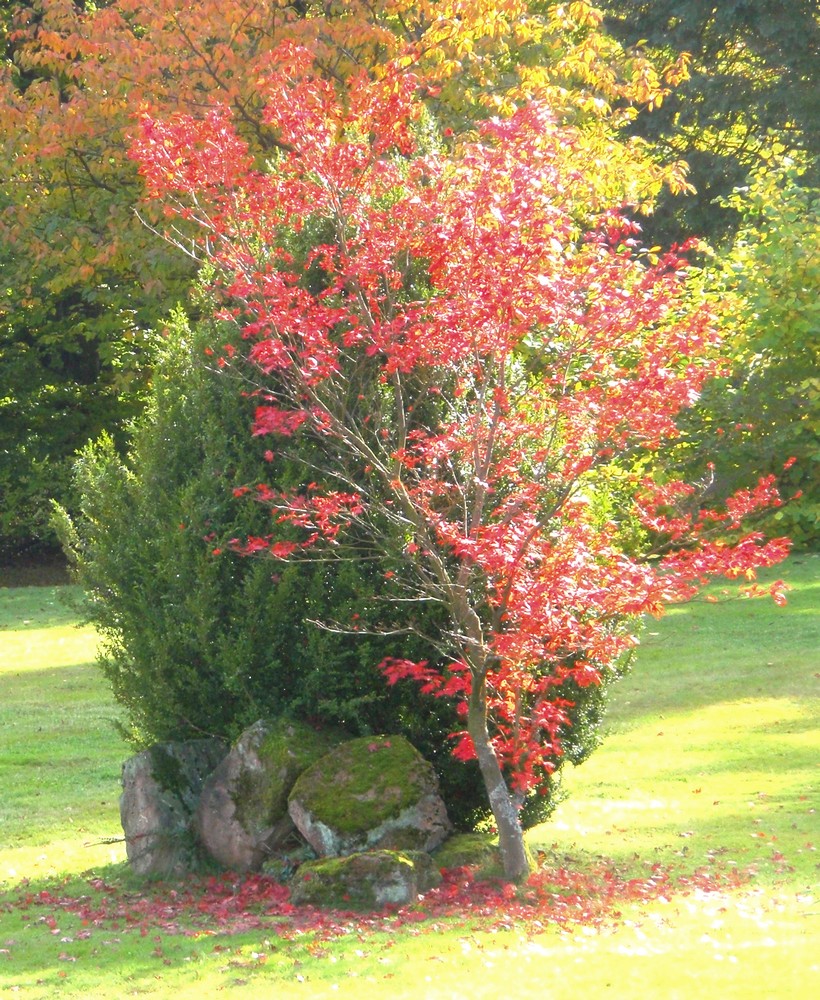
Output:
(367, 812)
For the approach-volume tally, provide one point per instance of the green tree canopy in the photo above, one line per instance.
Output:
(752, 85)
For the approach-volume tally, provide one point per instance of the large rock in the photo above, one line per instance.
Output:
(370, 793)
(367, 881)
(242, 815)
(161, 789)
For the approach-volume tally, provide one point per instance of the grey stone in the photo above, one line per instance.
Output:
(242, 815)
(367, 881)
(161, 788)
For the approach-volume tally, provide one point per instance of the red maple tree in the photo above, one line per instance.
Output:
(487, 364)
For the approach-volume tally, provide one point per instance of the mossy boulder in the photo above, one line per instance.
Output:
(161, 790)
(372, 792)
(242, 816)
(367, 881)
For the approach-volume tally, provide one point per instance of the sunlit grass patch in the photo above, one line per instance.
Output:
(39, 631)
(60, 757)
(713, 745)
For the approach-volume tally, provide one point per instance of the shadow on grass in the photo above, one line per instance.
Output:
(37, 570)
(26, 608)
(126, 952)
(146, 942)
(79, 682)
(51, 951)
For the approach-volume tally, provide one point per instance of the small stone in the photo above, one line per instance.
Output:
(366, 881)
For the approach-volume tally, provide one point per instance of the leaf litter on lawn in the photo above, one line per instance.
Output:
(231, 904)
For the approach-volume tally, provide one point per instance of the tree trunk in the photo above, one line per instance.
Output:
(514, 855)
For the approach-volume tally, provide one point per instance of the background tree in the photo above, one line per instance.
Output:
(765, 409)
(57, 394)
(470, 368)
(749, 101)
(752, 86)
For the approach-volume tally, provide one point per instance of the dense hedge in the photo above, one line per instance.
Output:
(197, 643)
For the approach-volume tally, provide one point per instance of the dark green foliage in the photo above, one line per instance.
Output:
(184, 631)
(753, 83)
(333, 678)
(197, 643)
(57, 393)
(748, 124)
(165, 768)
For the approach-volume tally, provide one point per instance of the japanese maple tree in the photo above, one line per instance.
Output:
(485, 379)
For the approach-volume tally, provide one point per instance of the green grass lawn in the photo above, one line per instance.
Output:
(713, 740)
(60, 757)
(708, 779)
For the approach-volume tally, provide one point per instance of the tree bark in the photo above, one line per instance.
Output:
(514, 854)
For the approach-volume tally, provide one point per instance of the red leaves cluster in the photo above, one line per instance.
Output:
(203, 150)
(272, 420)
(696, 537)
(231, 902)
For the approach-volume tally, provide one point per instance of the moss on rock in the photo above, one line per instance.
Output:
(363, 782)
(166, 768)
(478, 851)
(180, 768)
(285, 749)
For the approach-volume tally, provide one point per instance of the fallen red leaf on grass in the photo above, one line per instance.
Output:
(232, 904)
